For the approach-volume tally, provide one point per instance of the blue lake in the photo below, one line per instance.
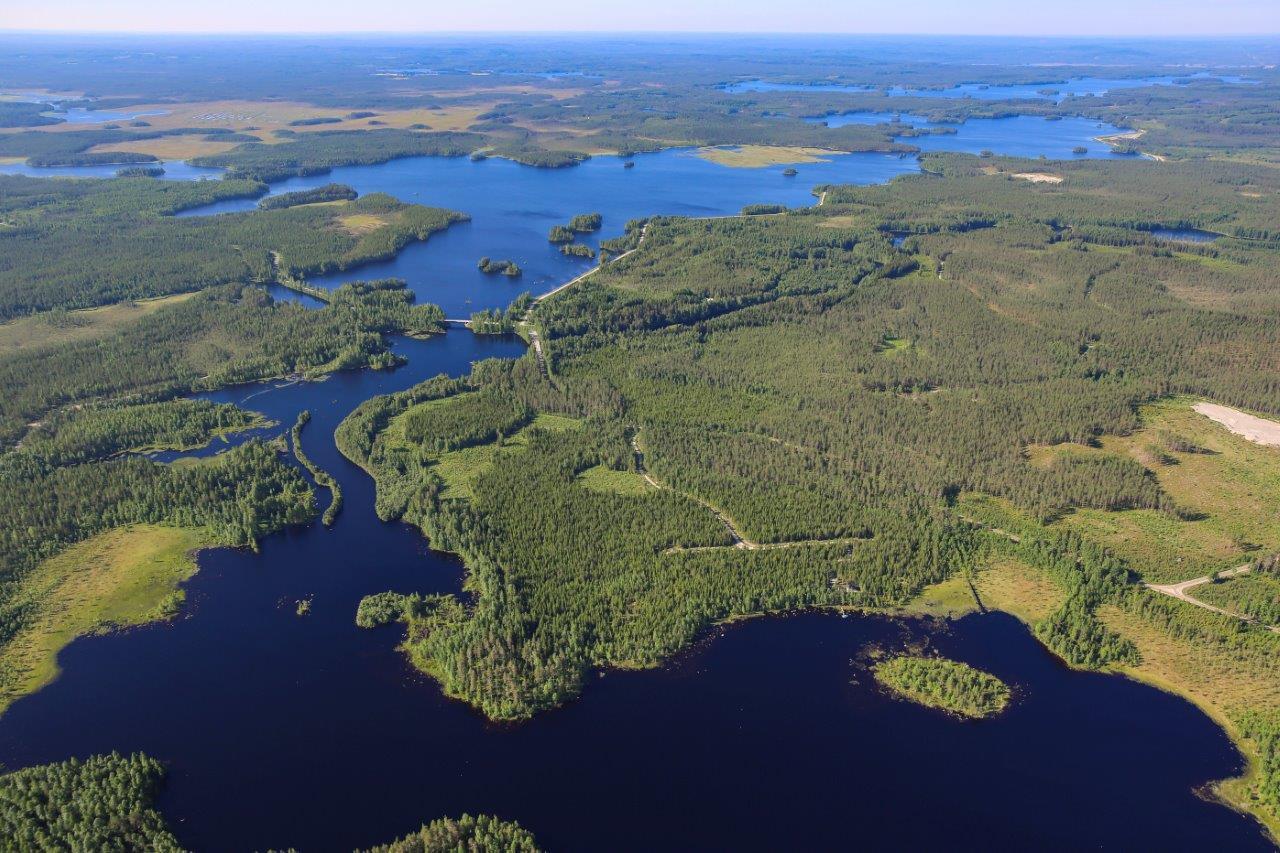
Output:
(1017, 136)
(283, 731)
(174, 170)
(512, 207)
(1055, 91)
(1184, 235)
(81, 115)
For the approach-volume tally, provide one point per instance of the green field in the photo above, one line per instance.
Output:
(1232, 485)
(61, 327)
(126, 576)
(600, 478)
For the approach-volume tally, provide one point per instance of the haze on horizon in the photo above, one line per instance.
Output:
(1187, 18)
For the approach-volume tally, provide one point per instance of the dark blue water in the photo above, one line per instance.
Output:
(284, 294)
(1015, 136)
(284, 731)
(1056, 92)
(1184, 235)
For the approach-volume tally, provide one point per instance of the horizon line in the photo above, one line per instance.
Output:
(347, 33)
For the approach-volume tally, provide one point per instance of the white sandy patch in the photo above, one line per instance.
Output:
(1038, 177)
(1259, 430)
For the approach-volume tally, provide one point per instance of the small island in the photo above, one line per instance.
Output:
(947, 685)
(140, 172)
(577, 250)
(508, 268)
(583, 223)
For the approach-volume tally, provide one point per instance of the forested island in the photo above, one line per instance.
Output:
(489, 266)
(947, 685)
(322, 477)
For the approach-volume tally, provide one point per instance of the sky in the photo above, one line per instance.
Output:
(969, 17)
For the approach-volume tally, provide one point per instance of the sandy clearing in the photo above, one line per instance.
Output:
(1128, 134)
(761, 156)
(169, 147)
(1257, 430)
(1039, 177)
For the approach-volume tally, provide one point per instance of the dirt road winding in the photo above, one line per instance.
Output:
(1179, 591)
